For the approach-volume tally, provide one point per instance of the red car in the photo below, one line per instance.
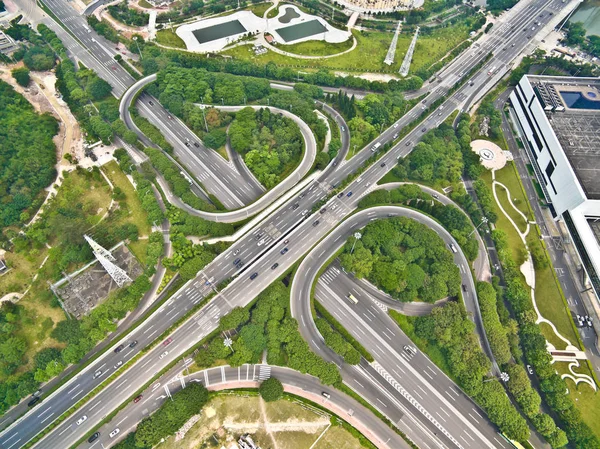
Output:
(167, 341)
(138, 398)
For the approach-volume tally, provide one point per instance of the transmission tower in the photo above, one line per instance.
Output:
(118, 274)
(409, 54)
(106, 259)
(391, 54)
(97, 249)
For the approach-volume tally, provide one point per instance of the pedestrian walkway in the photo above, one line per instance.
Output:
(571, 353)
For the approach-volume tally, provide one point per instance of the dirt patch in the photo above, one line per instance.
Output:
(278, 425)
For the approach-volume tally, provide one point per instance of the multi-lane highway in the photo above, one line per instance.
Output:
(446, 417)
(259, 250)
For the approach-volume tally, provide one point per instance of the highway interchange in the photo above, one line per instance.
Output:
(289, 223)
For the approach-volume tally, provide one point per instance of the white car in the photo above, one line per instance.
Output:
(529, 369)
(164, 354)
(395, 125)
(119, 364)
(114, 433)
(81, 420)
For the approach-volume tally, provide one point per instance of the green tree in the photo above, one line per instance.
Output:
(21, 75)
(271, 389)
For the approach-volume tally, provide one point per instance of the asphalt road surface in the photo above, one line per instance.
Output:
(226, 377)
(413, 376)
(258, 254)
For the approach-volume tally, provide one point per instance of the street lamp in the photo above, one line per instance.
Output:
(135, 38)
(357, 237)
(483, 220)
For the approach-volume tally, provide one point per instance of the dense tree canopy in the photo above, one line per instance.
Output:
(271, 389)
(270, 143)
(27, 154)
(405, 259)
(171, 415)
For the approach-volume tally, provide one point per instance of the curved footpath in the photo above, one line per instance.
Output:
(301, 310)
(288, 183)
(249, 376)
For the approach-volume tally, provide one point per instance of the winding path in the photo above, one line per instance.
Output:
(528, 271)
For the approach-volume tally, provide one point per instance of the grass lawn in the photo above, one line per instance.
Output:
(551, 305)
(337, 438)
(136, 215)
(145, 4)
(407, 324)
(429, 50)
(586, 399)
(292, 425)
(169, 38)
(259, 8)
(512, 213)
(132, 204)
(22, 269)
(317, 48)
(514, 241)
(510, 178)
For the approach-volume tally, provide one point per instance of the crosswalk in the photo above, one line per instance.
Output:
(264, 372)
(330, 274)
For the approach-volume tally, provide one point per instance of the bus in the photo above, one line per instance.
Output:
(492, 70)
(352, 298)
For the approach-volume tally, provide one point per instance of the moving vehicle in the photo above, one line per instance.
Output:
(453, 248)
(286, 241)
(81, 420)
(164, 354)
(119, 364)
(410, 349)
(236, 252)
(253, 276)
(530, 369)
(295, 206)
(236, 261)
(275, 265)
(119, 348)
(382, 164)
(114, 433)
(349, 194)
(133, 343)
(151, 103)
(464, 288)
(326, 395)
(34, 400)
(94, 437)
(283, 251)
(315, 223)
(492, 70)
(138, 398)
(98, 374)
(352, 298)
(341, 194)
(167, 342)
(375, 147)
(322, 211)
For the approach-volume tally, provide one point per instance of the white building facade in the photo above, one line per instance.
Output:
(559, 122)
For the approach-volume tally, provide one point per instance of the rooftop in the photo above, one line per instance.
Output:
(573, 109)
